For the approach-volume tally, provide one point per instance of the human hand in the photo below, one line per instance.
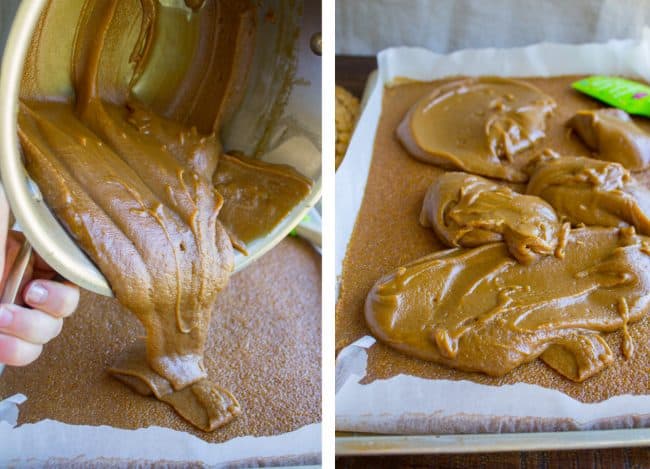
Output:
(37, 316)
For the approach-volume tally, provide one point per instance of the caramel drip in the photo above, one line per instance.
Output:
(194, 4)
(562, 239)
(628, 343)
(157, 215)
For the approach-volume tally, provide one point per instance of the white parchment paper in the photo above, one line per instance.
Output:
(52, 441)
(407, 404)
(9, 408)
(48, 439)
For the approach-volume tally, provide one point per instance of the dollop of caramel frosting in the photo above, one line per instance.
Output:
(468, 211)
(480, 310)
(613, 136)
(592, 192)
(477, 125)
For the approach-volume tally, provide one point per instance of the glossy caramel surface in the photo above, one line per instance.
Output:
(612, 135)
(480, 310)
(468, 211)
(586, 191)
(478, 125)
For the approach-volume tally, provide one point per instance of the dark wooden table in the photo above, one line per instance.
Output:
(351, 73)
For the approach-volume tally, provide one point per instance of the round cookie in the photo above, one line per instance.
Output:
(347, 112)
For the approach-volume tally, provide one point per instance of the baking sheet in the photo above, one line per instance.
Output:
(406, 404)
(487, 442)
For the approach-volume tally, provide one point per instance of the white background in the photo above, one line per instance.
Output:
(364, 27)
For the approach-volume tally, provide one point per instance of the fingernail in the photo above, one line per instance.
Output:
(6, 316)
(36, 294)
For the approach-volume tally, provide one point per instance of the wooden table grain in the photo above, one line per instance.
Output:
(623, 458)
(351, 73)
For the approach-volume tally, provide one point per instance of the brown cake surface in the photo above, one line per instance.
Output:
(387, 234)
(267, 320)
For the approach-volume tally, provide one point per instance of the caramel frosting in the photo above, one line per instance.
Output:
(257, 194)
(387, 234)
(592, 192)
(478, 125)
(482, 306)
(194, 4)
(468, 211)
(132, 181)
(480, 310)
(613, 136)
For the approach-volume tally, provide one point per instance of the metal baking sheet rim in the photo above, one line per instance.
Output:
(489, 442)
(376, 444)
